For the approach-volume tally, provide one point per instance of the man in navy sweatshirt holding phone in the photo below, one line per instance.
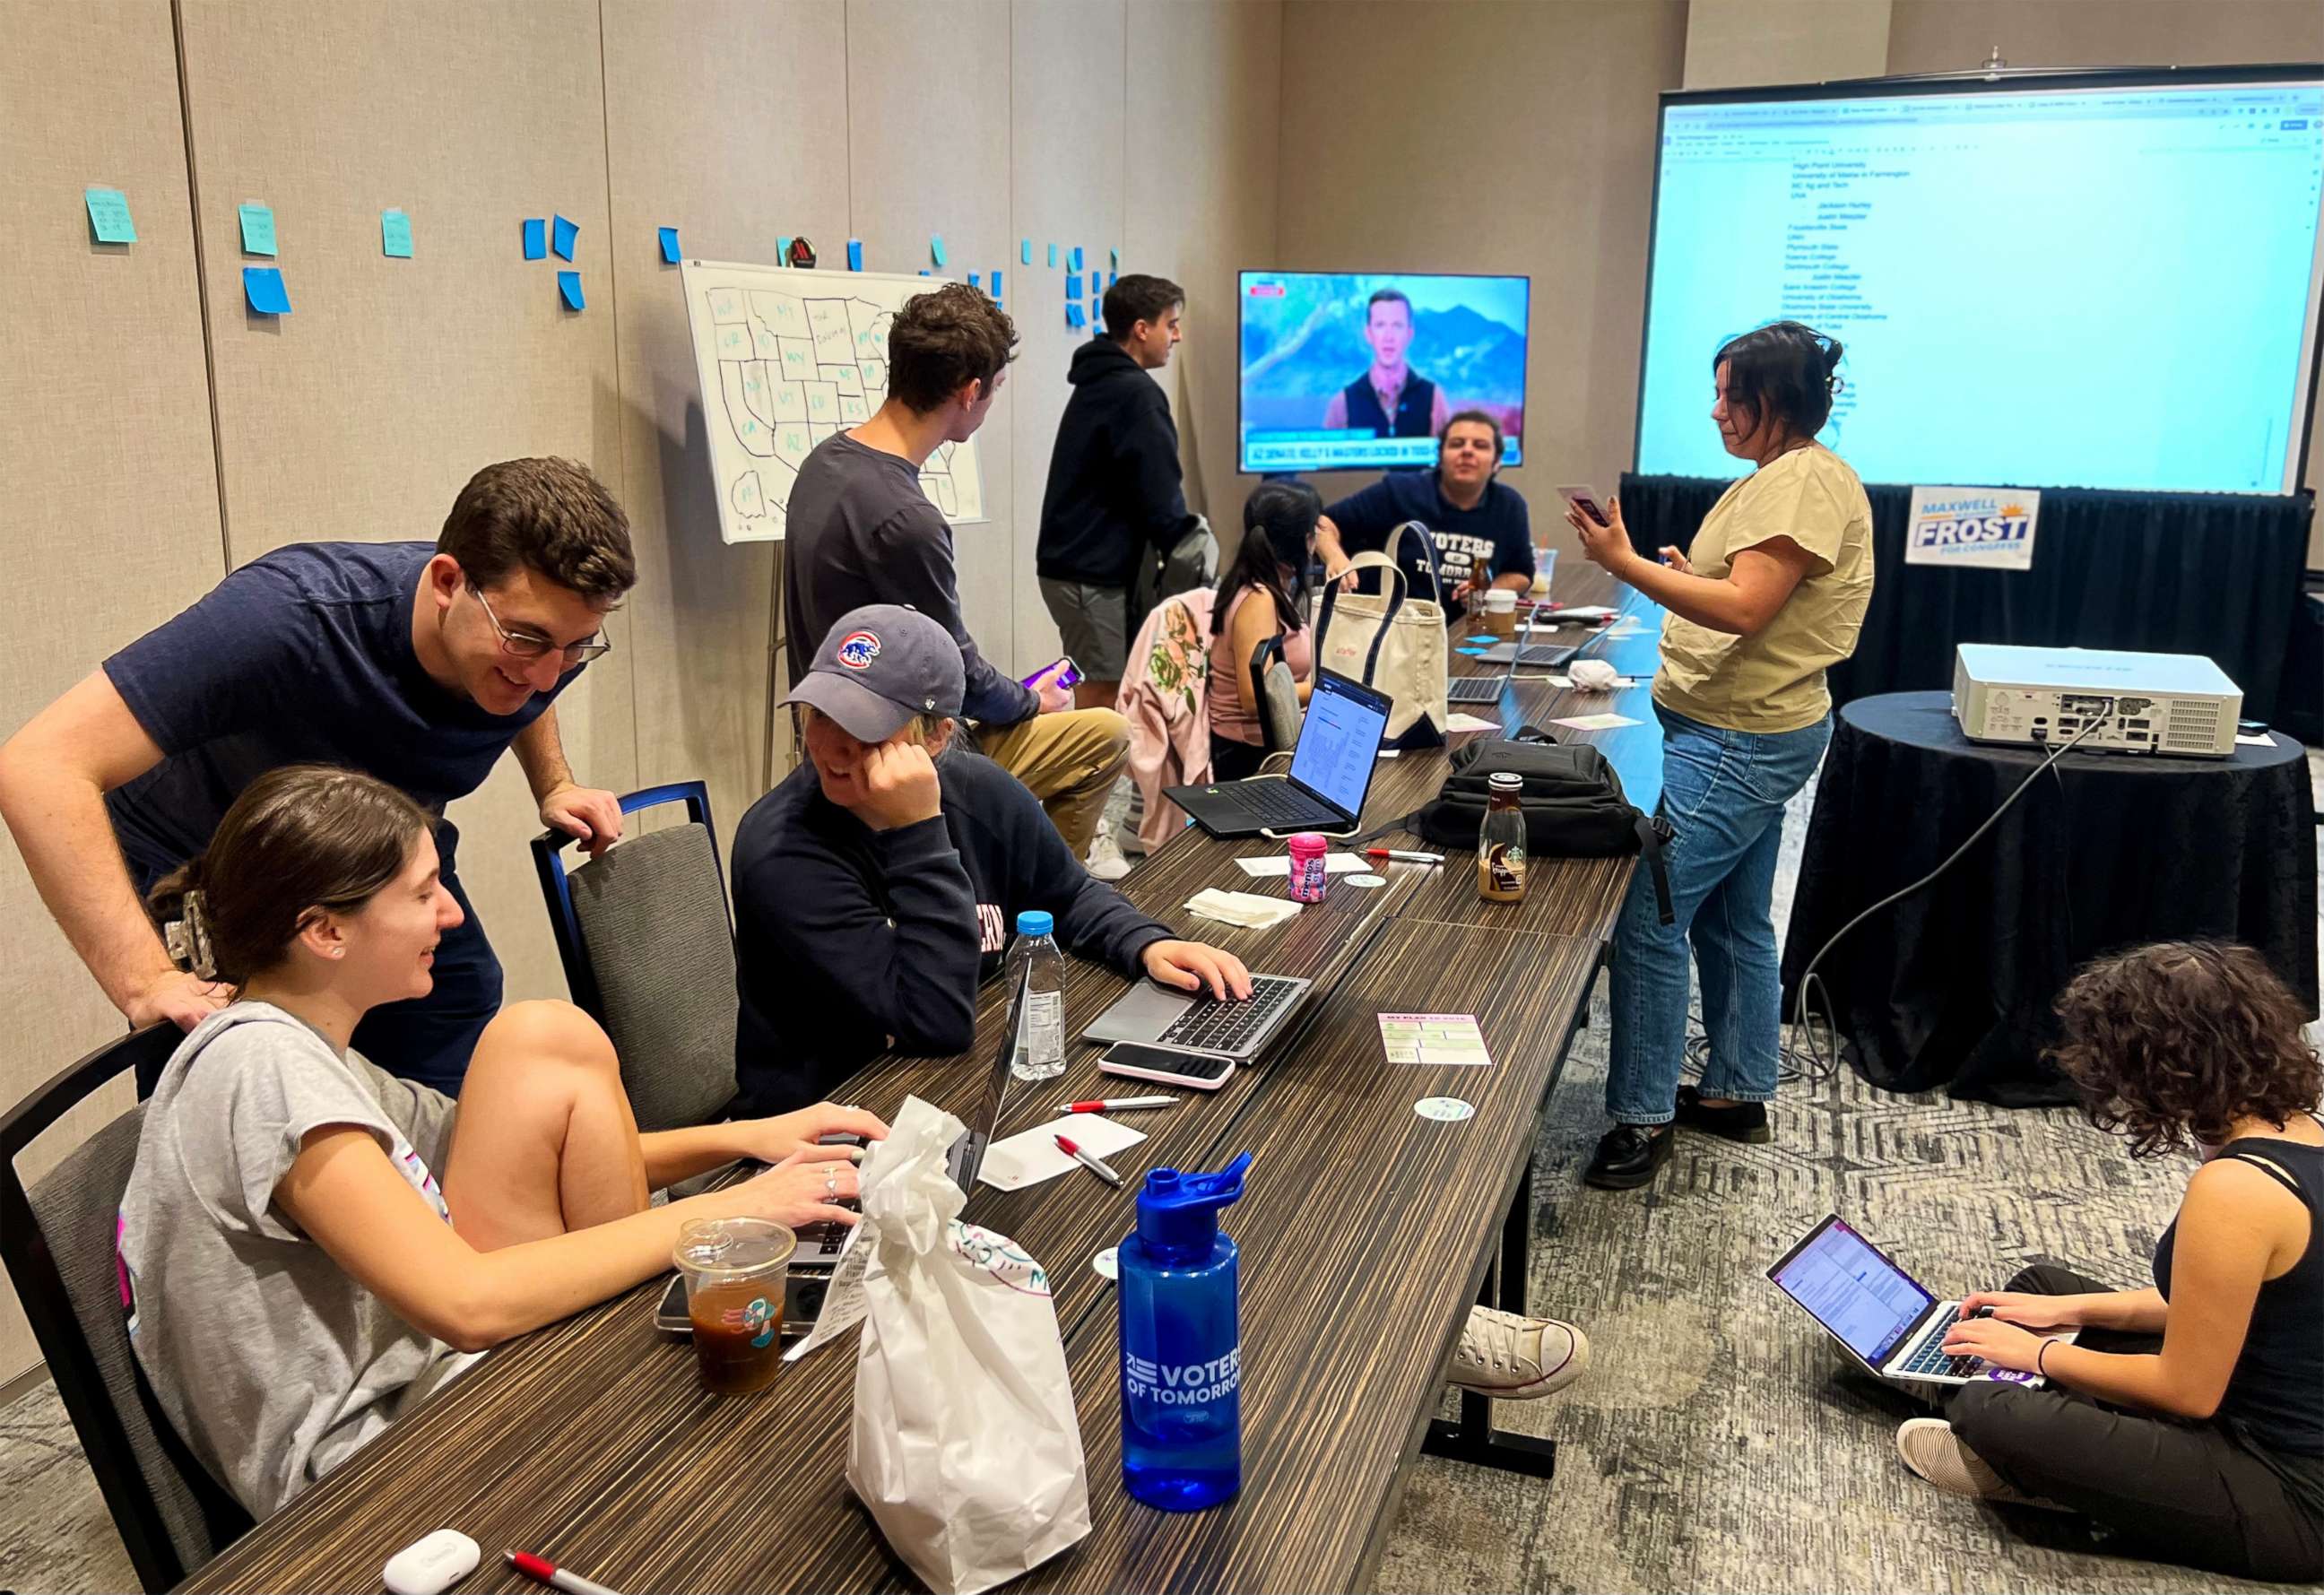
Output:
(880, 881)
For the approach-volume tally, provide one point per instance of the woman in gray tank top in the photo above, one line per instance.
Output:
(2187, 1418)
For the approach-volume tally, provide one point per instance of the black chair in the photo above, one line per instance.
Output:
(58, 1240)
(648, 946)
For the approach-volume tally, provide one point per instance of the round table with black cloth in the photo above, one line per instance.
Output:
(1953, 987)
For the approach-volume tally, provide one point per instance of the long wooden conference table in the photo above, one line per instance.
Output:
(1367, 1232)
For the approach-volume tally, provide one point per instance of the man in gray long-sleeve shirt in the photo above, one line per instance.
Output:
(861, 531)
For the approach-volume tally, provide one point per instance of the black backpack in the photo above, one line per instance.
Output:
(1572, 800)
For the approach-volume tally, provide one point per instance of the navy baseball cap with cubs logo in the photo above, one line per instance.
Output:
(880, 665)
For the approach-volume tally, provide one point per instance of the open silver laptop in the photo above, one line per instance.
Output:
(1887, 1320)
(1233, 1030)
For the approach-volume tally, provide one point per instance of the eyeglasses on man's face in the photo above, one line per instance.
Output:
(532, 645)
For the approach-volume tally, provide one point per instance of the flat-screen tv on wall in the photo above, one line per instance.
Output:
(1347, 371)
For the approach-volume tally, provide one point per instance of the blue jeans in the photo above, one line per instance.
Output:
(1724, 792)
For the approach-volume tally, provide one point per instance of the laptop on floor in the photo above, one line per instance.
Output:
(1888, 1322)
(1331, 771)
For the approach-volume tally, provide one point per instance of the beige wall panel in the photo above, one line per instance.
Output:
(928, 91)
(1953, 35)
(727, 121)
(1200, 185)
(1736, 44)
(361, 413)
(1067, 106)
(110, 515)
(1556, 183)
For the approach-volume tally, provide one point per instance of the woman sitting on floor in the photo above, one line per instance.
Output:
(2189, 1418)
(298, 1275)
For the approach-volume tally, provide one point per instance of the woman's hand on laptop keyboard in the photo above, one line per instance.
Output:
(1196, 966)
(2029, 1308)
(2004, 1345)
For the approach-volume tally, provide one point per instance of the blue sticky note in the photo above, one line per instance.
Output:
(1025, 251)
(263, 286)
(396, 235)
(973, 280)
(1486, 640)
(1115, 263)
(1073, 286)
(568, 283)
(669, 245)
(1111, 277)
(855, 254)
(1073, 314)
(782, 252)
(563, 232)
(257, 228)
(926, 273)
(936, 248)
(108, 215)
(536, 239)
(1475, 653)
(1075, 263)
(1053, 254)
(996, 284)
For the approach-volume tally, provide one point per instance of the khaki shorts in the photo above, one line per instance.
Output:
(1094, 623)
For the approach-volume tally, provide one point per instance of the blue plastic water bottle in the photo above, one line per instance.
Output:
(1182, 1343)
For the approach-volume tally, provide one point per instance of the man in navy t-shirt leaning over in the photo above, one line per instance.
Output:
(1481, 535)
(417, 664)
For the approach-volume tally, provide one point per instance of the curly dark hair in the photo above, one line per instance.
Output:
(944, 339)
(2171, 1043)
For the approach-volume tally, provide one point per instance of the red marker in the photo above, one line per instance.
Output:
(1408, 856)
(547, 1573)
(1115, 1104)
(1089, 1160)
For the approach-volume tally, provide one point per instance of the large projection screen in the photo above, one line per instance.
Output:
(2109, 281)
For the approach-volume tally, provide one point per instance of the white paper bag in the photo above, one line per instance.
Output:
(966, 1447)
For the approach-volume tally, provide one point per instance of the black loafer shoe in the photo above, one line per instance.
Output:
(1744, 1121)
(1627, 1156)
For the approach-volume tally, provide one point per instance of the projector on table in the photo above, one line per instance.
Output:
(2141, 703)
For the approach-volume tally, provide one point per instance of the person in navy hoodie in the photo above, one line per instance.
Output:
(876, 885)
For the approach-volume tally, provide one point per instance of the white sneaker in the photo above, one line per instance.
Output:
(1105, 861)
(1512, 1358)
(1934, 1452)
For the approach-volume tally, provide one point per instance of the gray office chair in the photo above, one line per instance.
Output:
(1277, 696)
(648, 952)
(58, 1241)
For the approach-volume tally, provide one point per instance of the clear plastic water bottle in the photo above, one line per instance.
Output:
(1182, 1342)
(1041, 1035)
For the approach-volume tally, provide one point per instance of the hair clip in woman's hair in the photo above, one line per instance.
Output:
(187, 940)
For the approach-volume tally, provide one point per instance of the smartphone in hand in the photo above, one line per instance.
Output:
(1064, 675)
(1585, 498)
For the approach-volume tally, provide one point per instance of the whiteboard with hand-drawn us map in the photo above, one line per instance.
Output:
(787, 358)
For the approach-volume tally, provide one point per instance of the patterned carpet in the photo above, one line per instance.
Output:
(1718, 1442)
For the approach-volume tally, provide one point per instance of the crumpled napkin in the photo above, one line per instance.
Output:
(1248, 909)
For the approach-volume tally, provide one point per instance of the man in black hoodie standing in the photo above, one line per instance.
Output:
(1115, 492)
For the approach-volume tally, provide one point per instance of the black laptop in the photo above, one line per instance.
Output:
(1331, 771)
(967, 1154)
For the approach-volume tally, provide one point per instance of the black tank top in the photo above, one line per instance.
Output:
(2276, 1393)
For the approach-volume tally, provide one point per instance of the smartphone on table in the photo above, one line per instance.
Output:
(1139, 1060)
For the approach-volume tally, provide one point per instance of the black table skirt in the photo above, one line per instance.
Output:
(1954, 986)
(2207, 572)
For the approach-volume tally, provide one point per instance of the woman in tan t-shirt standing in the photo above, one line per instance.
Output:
(1773, 592)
